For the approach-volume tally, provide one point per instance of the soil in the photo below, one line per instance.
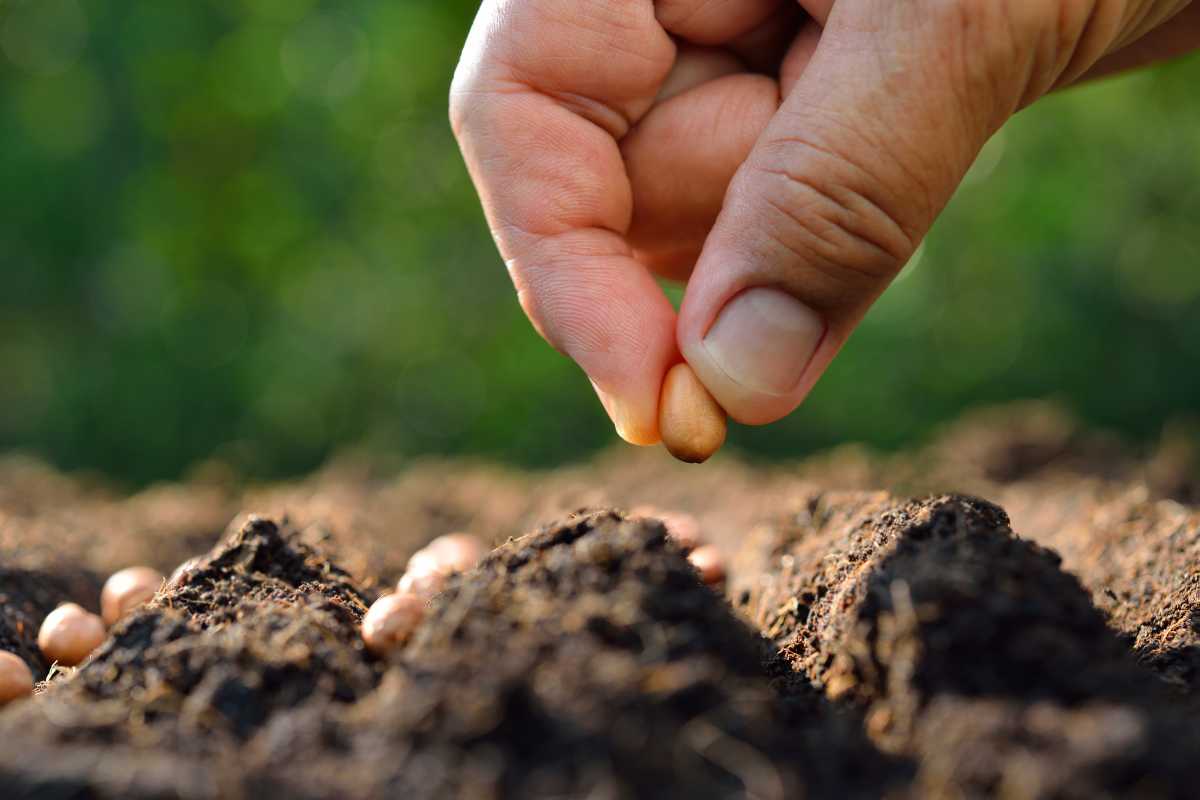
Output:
(1044, 642)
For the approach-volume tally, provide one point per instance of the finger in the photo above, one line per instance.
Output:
(868, 147)
(803, 44)
(818, 9)
(680, 159)
(713, 22)
(1175, 38)
(799, 54)
(544, 90)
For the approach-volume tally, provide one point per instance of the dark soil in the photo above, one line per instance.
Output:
(866, 645)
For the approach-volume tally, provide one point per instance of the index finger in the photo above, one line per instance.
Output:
(544, 91)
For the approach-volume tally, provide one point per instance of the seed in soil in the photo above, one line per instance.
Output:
(457, 552)
(126, 590)
(424, 583)
(709, 563)
(390, 621)
(690, 421)
(16, 679)
(69, 634)
(424, 561)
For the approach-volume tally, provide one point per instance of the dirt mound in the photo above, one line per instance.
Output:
(939, 596)
(587, 660)
(262, 626)
(972, 651)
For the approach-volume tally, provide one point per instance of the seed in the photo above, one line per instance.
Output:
(390, 621)
(708, 562)
(425, 581)
(69, 634)
(457, 552)
(16, 679)
(690, 421)
(126, 590)
(424, 561)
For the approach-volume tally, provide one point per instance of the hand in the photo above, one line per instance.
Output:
(616, 139)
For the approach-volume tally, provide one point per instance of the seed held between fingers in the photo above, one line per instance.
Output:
(69, 634)
(691, 422)
(390, 621)
(126, 590)
(16, 679)
(709, 563)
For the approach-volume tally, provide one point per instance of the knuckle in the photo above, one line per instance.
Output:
(982, 22)
(834, 219)
(458, 115)
(980, 51)
(1009, 52)
(712, 22)
(463, 98)
(680, 16)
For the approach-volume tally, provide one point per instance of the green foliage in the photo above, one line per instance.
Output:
(241, 228)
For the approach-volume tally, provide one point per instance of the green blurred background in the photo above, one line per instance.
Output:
(240, 228)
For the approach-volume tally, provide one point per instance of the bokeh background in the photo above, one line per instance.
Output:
(240, 229)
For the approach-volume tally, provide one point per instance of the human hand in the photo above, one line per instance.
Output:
(613, 140)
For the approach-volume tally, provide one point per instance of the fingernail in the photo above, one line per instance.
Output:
(763, 339)
(622, 419)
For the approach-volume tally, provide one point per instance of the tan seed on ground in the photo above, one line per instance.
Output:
(424, 561)
(690, 421)
(458, 552)
(709, 562)
(126, 590)
(390, 621)
(16, 679)
(69, 634)
(423, 582)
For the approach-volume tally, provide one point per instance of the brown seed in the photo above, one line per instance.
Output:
(709, 563)
(425, 581)
(390, 621)
(690, 421)
(16, 679)
(126, 590)
(457, 552)
(69, 634)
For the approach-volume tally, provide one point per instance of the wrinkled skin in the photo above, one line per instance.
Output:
(784, 159)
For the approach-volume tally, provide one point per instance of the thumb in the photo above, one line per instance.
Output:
(840, 189)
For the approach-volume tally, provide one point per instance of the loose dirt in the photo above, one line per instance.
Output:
(1044, 642)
